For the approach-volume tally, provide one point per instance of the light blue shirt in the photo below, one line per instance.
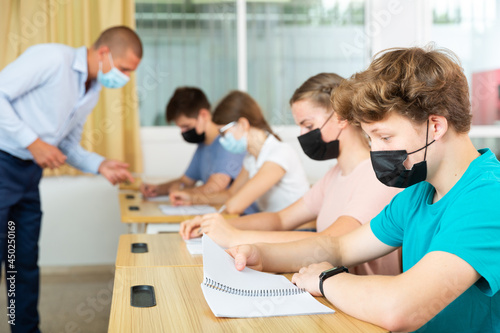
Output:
(42, 95)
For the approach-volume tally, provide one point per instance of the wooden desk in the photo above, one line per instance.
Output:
(131, 186)
(147, 211)
(163, 250)
(181, 307)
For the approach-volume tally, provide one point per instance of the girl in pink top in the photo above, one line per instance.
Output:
(348, 196)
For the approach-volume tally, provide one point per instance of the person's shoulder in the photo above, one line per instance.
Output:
(275, 147)
(487, 166)
(52, 49)
(216, 143)
(52, 53)
(332, 173)
(482, 174)
(249, 162)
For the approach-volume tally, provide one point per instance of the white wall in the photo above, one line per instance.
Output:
(81, 221)
(397, 23)
(167, 155)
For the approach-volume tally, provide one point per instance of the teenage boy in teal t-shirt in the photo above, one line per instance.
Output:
(414, 105)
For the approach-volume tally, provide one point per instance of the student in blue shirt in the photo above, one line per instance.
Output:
(414, 105)
(211, 164)
(46, 95)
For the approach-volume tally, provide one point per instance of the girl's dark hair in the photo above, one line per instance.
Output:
(239, 104)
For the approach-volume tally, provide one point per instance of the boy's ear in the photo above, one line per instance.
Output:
(438, 126)
(204, 113)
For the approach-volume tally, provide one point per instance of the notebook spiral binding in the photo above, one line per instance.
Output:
(252, 292)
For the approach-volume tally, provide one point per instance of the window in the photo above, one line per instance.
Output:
(195, 43)
(185, 43)
(470, 29)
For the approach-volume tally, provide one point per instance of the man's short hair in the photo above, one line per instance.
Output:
(413, 82)
(187, 101)
(119, 39)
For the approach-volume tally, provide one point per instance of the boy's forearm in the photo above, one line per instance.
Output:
(367, 297)
(200, 198)
(291, 256)
(170, 186)
(262, 236)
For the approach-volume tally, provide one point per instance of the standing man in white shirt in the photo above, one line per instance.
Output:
(46, 95)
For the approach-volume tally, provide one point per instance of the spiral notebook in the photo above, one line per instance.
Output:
(250, 293)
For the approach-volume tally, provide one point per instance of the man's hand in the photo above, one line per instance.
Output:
(246, 255)
(46, 155)
(115, 171)
(308, 277)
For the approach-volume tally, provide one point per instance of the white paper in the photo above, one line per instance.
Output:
(161, 198)
(187, 210)
(219, 266)
(194, 245)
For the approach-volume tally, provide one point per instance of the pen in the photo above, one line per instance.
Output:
(221, 209)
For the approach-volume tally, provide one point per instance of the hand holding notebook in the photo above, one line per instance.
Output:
(250, 293)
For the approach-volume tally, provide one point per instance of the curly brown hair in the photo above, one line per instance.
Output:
(413, 82)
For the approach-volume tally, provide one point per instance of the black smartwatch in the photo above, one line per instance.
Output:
(329, 273)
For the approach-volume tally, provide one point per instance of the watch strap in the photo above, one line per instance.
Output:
(329, 273)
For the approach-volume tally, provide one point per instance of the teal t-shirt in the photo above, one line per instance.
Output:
(466, 223)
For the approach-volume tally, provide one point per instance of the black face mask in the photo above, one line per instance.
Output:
(192, 137)
(315, 148)
(389, 168)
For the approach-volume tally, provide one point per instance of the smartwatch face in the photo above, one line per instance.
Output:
(333, 271)
(328, 271)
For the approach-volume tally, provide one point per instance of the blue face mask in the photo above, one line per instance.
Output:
(229, 143)
(112, 79)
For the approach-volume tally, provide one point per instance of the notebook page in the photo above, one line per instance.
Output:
(219, 266)
(161, 198)
(194, 245)
(187, 210)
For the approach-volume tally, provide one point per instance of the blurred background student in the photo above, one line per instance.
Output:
(348, 196)
(211, 164)
(272, 174)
